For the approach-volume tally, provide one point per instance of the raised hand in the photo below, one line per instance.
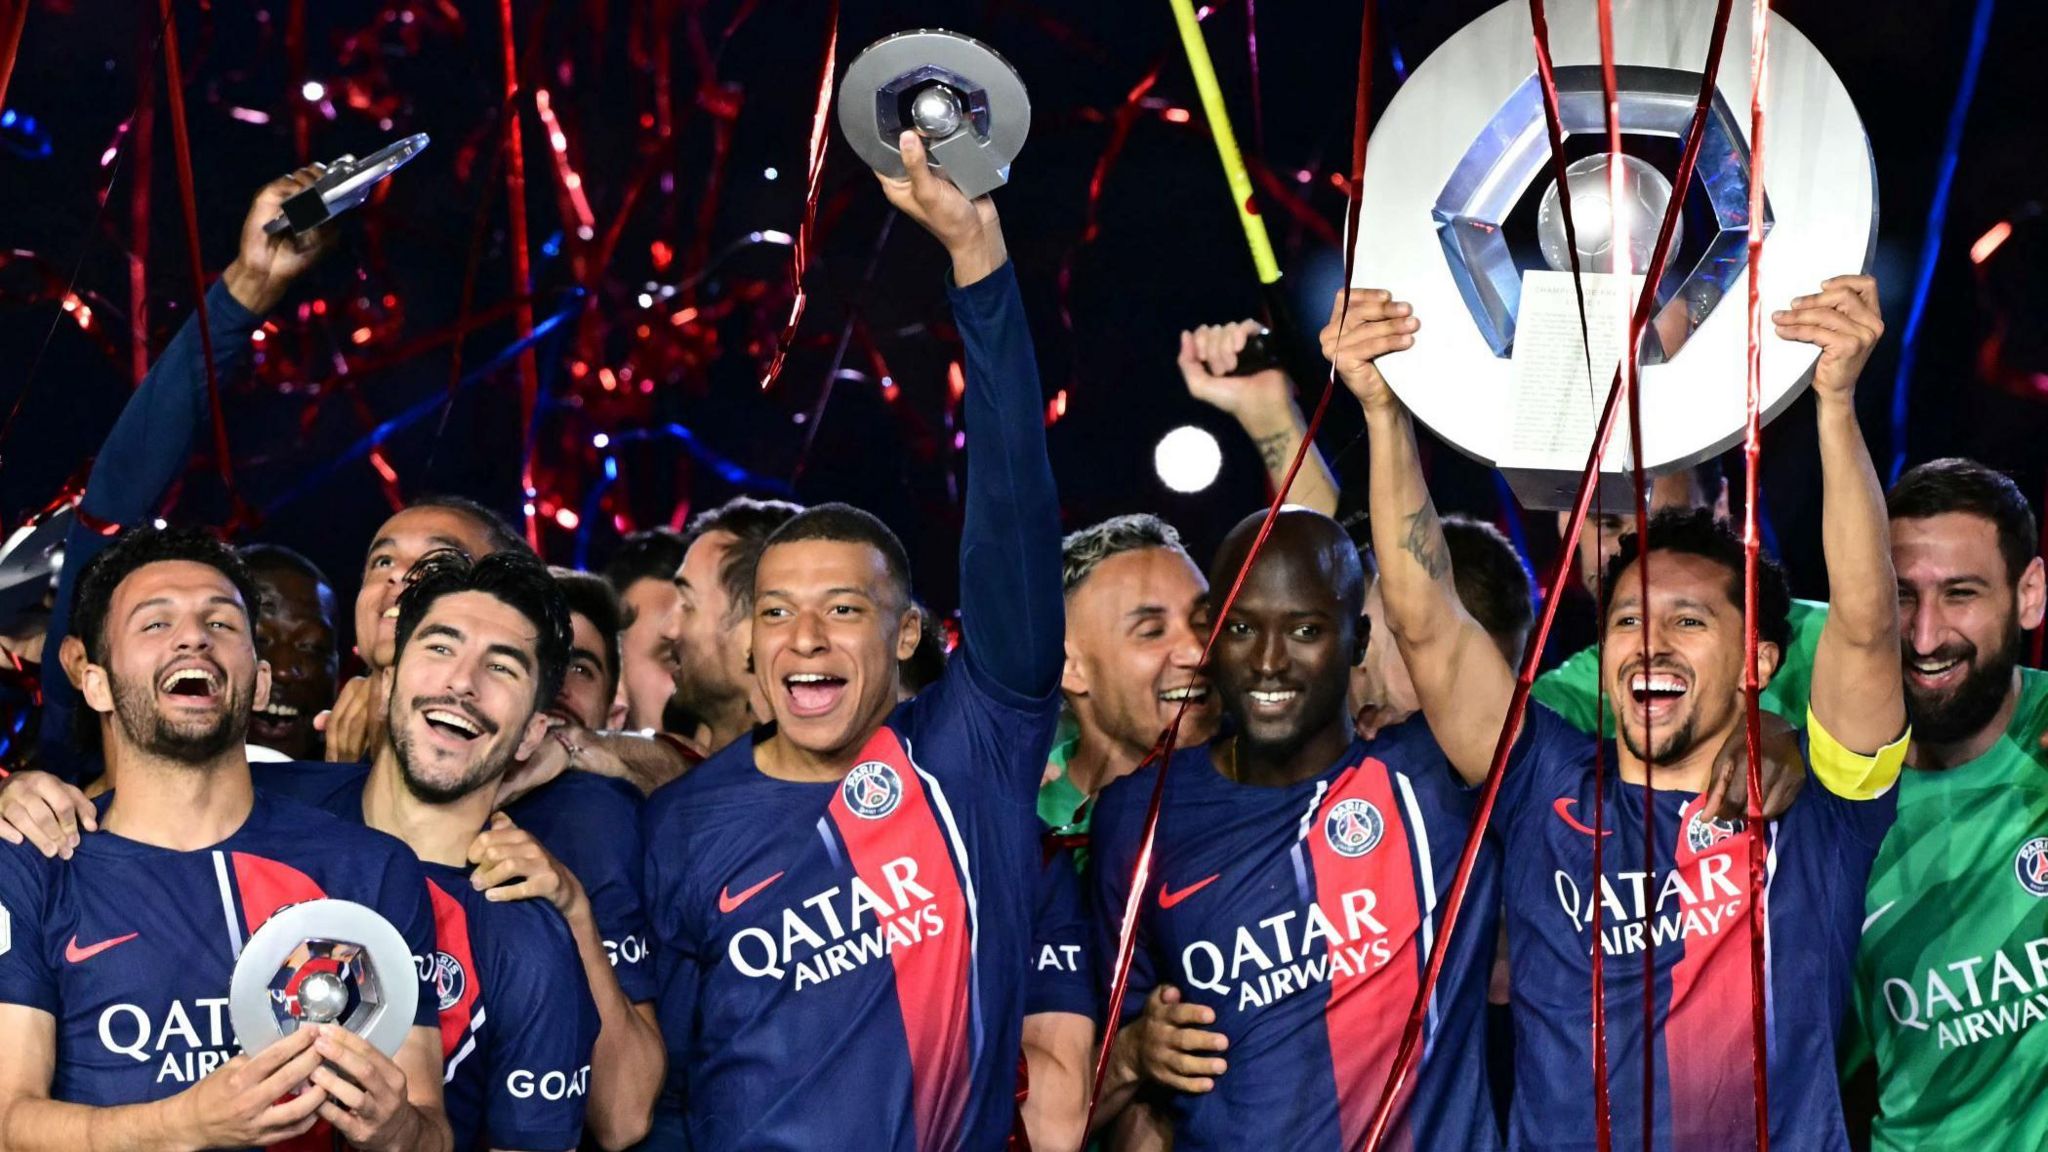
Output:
(1843, 319)
(266, 265)
(1207, 357)
(1374, 325)
(355, 724)
(969, 229)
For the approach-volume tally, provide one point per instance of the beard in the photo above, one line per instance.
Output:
(1963, 711)
(1675, 742)
(145, 727)
(496, 758)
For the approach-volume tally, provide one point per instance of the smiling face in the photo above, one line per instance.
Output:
(463, 704)
(586, 695)
(181, 671)
(1688, 694)
(830, 625)
(1133, 655)
(1961, 618)
(648, 652)
(295, 636)
(399, 544)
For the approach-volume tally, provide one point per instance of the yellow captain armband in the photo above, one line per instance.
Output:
(1853, 775)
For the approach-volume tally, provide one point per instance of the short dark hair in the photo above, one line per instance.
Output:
(1957, 485)
(1492, 582)
(927, 661)
(94, 592)
(750, 522)
(592, 597)
(1084, 550)
(1695, 532)
(500, 533)
(844, 523)
(515, 577)
(278, 558)
(651, 555)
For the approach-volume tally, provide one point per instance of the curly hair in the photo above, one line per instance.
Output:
(516, 578)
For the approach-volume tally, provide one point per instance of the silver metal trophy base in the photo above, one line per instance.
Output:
(956, 92)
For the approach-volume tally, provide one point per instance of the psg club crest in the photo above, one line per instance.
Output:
(450, 982)
(1353, 827)
(872, 790)
(2031, 866)
(1703, 832)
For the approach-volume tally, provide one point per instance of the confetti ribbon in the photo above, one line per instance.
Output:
(814, 174)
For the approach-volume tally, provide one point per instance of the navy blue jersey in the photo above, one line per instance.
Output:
(1305, 916)
(1692, 914)
(843, 964)
(132, 947)
(1062, 944)
(517, 1020)
(592, 825)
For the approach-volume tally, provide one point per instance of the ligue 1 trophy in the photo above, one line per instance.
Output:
(346, 183)
(1460, 217)
(965, 100)
(324, 962)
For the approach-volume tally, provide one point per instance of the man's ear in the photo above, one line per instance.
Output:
(537, 726)
(1073, 680)
(261, 699)
(909, 630)
(1767, 657)
(71, 657)
(2032, 599)
(97, 686)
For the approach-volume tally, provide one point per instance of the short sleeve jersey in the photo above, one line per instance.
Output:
(1062, 947)
(517, 1020)
(1690, 912)
(132, 947)
(1304, 916)
(844, 964)
(592, 825)
(1952, 973)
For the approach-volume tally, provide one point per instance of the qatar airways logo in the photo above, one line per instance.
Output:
(1696, 901)
(841, 929)
(1974, 999)
(1280, 957)
(193, 1038)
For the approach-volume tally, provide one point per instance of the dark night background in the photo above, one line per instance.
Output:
(1166, 253)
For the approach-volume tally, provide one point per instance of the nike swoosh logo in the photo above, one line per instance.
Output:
(76, 955)
(1875, 916)
(1168, 898)
(1563, 807)
(728, 902)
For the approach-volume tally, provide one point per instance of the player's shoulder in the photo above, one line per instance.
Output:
(2030, 718)
(725, 779)
(320, 783)
(1122, 806)
(300, 833)
(25, 872)
(581, 798)
(1409, 748)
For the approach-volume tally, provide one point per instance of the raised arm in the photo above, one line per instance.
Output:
(1461, 680)
(151, 441)
(1011, 607)
(1858, 688)
(1262, 404)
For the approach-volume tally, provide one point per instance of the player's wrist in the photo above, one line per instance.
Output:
(256, 291)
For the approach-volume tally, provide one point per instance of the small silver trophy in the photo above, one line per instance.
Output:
(346, 183)
(324, 962)
(957, 93)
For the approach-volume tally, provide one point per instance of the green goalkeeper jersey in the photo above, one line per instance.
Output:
(1952, 971)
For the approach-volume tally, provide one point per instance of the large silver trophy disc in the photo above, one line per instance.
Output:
(347, 183)
(324, 962)
(1460, 217)
(965, 100)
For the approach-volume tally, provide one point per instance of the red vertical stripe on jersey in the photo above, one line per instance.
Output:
(262, 886)
(933, 966)
(1706, 1038)
(458, 989)
(1376, 963)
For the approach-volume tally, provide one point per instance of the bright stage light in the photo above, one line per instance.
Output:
(1187, 459)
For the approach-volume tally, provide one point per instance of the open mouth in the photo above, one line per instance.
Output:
(279, 712)
(452, 724)
(1657, 694)
(1194, 694)
(813, 693)
(198, 685)
(1271, 701)
(1936, 673)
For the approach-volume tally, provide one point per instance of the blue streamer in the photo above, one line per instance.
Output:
(1937, 218)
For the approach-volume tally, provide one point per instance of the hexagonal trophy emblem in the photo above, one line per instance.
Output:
(956, 92)
(324, 962)
(1460, 217)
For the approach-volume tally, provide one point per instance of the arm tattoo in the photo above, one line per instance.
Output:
(1276, 450)
(1425, 541)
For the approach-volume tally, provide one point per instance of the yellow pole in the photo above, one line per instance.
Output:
(1226, 141)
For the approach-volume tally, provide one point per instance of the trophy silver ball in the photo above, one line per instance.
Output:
(936, 112)
(323, 997)
(1645, 194)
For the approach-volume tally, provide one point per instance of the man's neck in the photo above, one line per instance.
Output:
(1276, 767)
(727, 723)
(1934, 757)
(184, 807)
(779, 757)
(1099, 760)
(437, 833)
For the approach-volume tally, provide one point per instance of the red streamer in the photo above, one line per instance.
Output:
(800, 252)
(174, 92)
(1752, 453)
(10, 43)
(1561, 572)
(1141, 871)
(522, 260)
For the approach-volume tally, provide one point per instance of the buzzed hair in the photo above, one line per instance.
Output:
(1084, 551)
(1334, 549)
(498, 531)
(843, 523)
